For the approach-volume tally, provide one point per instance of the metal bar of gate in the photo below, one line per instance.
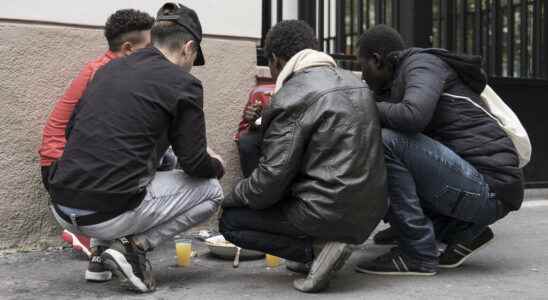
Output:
(443, 24)
(267, 19)
(524, 66)
(360, 18)
(494, 54)
(351, 20)
(279, 10)
(497, 30)
(545, 20)
(462, 21)
(537, 39)
(510, 38)
(448, 28)
(321, 17)
(329, 26)
(367, 10)
(477, 27)
(396, 14)
(339, 23)
(378, 12)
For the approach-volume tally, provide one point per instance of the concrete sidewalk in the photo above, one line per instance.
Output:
(515, 265)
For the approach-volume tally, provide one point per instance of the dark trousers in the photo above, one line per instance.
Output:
(434, 194)
(249, 147)
(266, 230)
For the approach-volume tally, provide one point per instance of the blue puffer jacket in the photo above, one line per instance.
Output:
(426, 96)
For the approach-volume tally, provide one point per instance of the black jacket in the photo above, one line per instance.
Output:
(322, 158)
(414, 102)
(134, 108)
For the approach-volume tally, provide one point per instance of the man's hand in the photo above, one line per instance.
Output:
(216, 156)
(252, 113)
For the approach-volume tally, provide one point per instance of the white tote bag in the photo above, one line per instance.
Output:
(508, 121)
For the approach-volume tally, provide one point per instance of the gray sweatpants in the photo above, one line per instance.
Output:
(174, 203)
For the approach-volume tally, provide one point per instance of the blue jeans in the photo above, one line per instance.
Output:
(434, 194)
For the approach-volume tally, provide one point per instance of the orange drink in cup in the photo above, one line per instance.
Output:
(183, 249)
(272, 261)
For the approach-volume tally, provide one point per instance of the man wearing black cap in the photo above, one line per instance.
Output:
(105, 185)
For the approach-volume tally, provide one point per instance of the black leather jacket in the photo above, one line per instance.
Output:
(322, 158)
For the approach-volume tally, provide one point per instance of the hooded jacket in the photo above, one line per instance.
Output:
(322, 157)
(420, 99)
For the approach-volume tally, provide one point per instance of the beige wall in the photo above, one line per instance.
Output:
(240, 18)
(37, 63)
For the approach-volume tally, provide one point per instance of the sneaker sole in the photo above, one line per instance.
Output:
(98, 276)
(360, 270)
(461, 261)
(116, 262)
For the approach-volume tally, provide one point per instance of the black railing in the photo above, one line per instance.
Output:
(511, 35)
(338, 23)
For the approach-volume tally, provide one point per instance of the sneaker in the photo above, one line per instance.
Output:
(456, 253)
(78, 242)
(394, 263)
(298, 267)
(130, 265)
(330, 260)
(96, 271)
(388, 236)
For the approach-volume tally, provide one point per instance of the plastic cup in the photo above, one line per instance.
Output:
(272, 261)
(183, 249)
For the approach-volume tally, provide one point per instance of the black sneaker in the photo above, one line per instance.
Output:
(330, 260)
(394, 263)
(456, 253)
(130, 265)
(388, 236)
(96, 271)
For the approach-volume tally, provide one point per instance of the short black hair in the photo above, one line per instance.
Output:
(122, 25)
(167, 33)
(287, 38)
(381, 39)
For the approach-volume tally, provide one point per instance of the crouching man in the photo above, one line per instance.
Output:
(105, 185)
(452, 170)
(320, 181)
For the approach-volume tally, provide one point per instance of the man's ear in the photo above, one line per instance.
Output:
(126, 48)
(188, 47)
(378, 60)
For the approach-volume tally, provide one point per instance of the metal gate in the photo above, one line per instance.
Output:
(511, 35)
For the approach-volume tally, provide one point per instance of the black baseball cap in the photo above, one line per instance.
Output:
(187, 19)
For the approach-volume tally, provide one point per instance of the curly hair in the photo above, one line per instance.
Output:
(287, 38)
(123, 23)
(381, 39)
